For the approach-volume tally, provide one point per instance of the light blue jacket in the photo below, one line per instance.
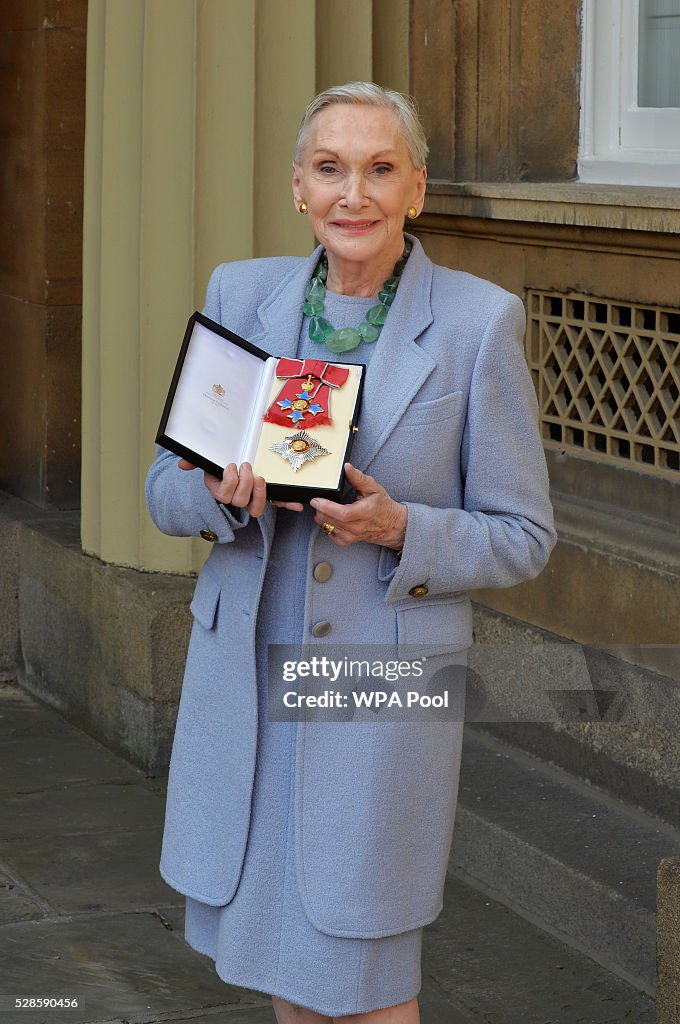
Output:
(448, 426)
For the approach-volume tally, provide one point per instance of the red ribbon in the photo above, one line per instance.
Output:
(322, 375)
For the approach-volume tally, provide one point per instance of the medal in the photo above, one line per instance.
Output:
(303, 402)
(298, 449)
(304, 398)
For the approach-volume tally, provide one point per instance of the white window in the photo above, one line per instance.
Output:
(630, 92)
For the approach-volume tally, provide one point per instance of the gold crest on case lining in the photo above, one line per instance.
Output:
(219, 390)
(298, 449)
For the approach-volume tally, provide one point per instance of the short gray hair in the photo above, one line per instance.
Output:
(369, 94)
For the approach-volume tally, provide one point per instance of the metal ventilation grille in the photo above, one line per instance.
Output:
(607, 376)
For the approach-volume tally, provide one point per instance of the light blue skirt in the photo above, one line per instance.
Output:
(263, 939)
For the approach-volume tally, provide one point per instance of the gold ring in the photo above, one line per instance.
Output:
(327, 529)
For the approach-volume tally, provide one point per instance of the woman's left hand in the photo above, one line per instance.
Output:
(373, 516)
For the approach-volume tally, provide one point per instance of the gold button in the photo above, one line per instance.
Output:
(419, 591)
(321, 628)
(323, 572)
(208, 535)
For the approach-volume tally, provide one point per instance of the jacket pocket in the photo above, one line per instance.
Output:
(206, 599)
(439, 627)
(432, 411)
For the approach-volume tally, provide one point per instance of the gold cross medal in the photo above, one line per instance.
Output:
(298, 449)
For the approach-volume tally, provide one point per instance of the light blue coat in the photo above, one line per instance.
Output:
(448, 426)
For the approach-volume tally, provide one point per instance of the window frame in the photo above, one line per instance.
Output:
(619, 141)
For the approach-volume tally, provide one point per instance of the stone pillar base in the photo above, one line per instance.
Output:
(668, 942)
(105, 645)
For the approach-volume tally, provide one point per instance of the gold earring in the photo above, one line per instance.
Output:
(302, 207)
(412, 212)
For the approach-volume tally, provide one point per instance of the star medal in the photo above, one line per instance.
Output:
(298, 449)
(302, 402)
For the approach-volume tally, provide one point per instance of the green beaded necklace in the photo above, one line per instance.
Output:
(347, 338)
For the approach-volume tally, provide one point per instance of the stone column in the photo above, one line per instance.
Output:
(138, 260)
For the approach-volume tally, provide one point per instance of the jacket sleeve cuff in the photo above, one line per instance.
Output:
(218, 523)
(182, 506)
(236, 517)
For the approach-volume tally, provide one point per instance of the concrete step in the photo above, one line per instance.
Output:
(574, 860)
(617, 765)
(485, 964)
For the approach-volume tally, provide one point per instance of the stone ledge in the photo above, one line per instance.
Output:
(572, 203)
(611, 580)
(641, 540)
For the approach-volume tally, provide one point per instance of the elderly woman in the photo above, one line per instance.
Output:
(311, 854)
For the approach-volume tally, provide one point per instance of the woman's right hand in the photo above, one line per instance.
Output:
(246, 491)
(237, 487)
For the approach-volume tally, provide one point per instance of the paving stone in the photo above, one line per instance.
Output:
(504, 970)
(38, 762)
(81, 808)
(437, 1007)
(118, 966)
(22, 715)
(242, 1015)
(15, 903)
(12, 693)
(18, 720)
(222, 1015)
(106, 870)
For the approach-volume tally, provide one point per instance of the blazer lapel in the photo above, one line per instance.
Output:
(399, 366)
